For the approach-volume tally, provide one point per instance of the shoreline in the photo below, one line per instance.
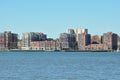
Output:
(58, 51)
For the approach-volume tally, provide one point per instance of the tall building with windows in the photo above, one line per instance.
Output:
(2, 41)
(8, 40)
(64, 41)
(72, 39)
(26, 39)
(80, 31)
(31, 36)
(83, 40)
(67, 41)
(14, 41)
(110, 40)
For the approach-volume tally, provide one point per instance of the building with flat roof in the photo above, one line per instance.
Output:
(31, 36)
(2, 41)
(80, 31)
(83, 40)
(52, 45)
(64, 41)
(67, 41)
(95, 47)
(110, 40)
(8, 40)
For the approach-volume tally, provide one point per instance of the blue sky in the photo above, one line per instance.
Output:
(53, 17)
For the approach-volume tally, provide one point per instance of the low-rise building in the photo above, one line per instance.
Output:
(95, 47)
(52, 45)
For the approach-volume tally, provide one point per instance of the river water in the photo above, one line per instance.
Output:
(59, 66)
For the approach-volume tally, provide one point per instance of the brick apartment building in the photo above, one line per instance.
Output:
(51, 45)
(8, 40)
(110, 40)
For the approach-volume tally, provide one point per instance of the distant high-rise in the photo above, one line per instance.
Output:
(32, 36)
(26, 40)
(8, 40)
(83, 40)
(80, 31)
(67, 41)
(64, 40)
(14, 41)
(2, 41)
(110, 40)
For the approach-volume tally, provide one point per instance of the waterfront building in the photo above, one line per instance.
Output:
(8, 40)
(31, 36)
(2, 41)
(35, 45)
(14, 41)
(110, 40)
(83, 40)
(72, 42)
(26, 39)
(95, 47)
(58, 45)
(67, 41)
(50, 45)
(64, 41)
(42, 45)
(72, 39)
(47, 45)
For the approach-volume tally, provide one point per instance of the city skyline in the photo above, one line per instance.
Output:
(72, 40)
(53, 17)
